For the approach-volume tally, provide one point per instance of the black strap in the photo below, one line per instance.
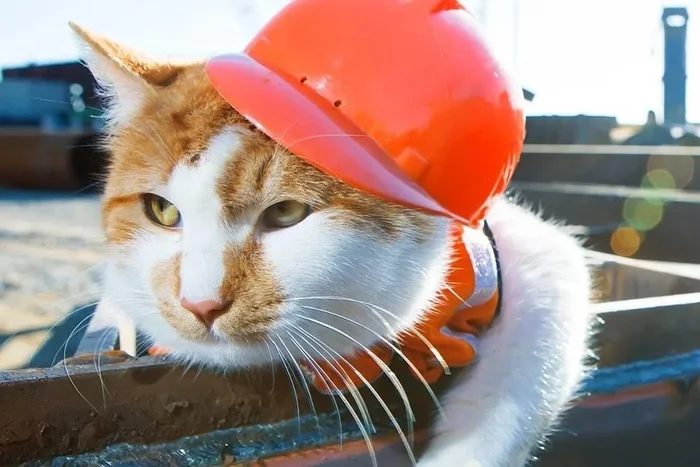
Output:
(499, 277)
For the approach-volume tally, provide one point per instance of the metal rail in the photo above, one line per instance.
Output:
(611, 149)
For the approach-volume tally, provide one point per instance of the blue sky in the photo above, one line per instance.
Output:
(601, 57)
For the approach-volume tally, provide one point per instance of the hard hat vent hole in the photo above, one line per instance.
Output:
(303, 79)
(338, 103)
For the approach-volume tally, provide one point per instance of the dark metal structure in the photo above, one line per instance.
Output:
(675, 21)
(68, 72)
(149, 412)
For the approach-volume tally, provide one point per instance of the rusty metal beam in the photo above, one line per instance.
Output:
(74, 408)
(648, 426)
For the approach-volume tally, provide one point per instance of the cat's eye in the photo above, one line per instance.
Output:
(161, 211)
(284, 214)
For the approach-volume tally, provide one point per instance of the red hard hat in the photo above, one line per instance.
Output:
(401, 99)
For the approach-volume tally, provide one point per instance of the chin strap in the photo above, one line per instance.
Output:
(446, 337)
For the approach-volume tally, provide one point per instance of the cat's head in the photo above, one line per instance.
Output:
(227, 249)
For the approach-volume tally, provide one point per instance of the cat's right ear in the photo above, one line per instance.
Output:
(125, 77)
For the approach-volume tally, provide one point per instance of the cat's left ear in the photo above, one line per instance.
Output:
(125, 76)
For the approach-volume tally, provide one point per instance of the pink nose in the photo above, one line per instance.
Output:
(206, 310)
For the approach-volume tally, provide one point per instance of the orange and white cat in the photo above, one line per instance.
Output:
(206, 215)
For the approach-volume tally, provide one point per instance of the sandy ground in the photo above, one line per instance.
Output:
(50, 254)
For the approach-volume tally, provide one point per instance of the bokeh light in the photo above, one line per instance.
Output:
(680, 168)
(625, 241)
(661, 179)
(643, 214)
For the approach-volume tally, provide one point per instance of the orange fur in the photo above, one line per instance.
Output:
(178, 116)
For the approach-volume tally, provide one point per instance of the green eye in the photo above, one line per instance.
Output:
(285, 214)
(161, 211)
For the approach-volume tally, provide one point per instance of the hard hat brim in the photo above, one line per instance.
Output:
(313, 129)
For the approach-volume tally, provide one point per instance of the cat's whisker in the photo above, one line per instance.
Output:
(82, 324)
(385, 368)
(302, 381)
(187, 368)
(163, 144)
(285, 364)
(98, 369)
(354, 392)
(333, 401)
(329, 135)
(200, 369)
(374, 309)
(58, 322)
(391, 345)
(65, 366)
(407, 441)
(279, 145)
(424, 273)
(70, 298)
(48, 331)
(56, 101)
(327, 381)
(272, 363)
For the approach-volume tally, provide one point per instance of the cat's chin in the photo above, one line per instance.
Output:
(214, 353)
(255, 339)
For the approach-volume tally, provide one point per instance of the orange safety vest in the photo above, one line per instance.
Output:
(468, 304)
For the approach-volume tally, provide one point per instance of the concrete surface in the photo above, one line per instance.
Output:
(50, 251)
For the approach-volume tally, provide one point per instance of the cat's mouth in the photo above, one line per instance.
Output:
(219, 334)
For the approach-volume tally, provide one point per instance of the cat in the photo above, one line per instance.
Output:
(204, 214)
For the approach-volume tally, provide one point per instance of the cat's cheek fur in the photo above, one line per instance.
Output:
(327, 267)
(128, 278)
(124, 290)
(132, 286)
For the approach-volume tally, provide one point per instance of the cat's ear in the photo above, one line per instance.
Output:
(125, 77)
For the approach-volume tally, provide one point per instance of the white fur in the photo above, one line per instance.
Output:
(122, 90)
(191, 189)
(531, 361)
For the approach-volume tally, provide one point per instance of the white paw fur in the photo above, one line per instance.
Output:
(531, 361)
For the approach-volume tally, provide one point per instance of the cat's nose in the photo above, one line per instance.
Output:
(206, 310)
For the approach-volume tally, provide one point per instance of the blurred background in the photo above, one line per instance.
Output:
(613, 91)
